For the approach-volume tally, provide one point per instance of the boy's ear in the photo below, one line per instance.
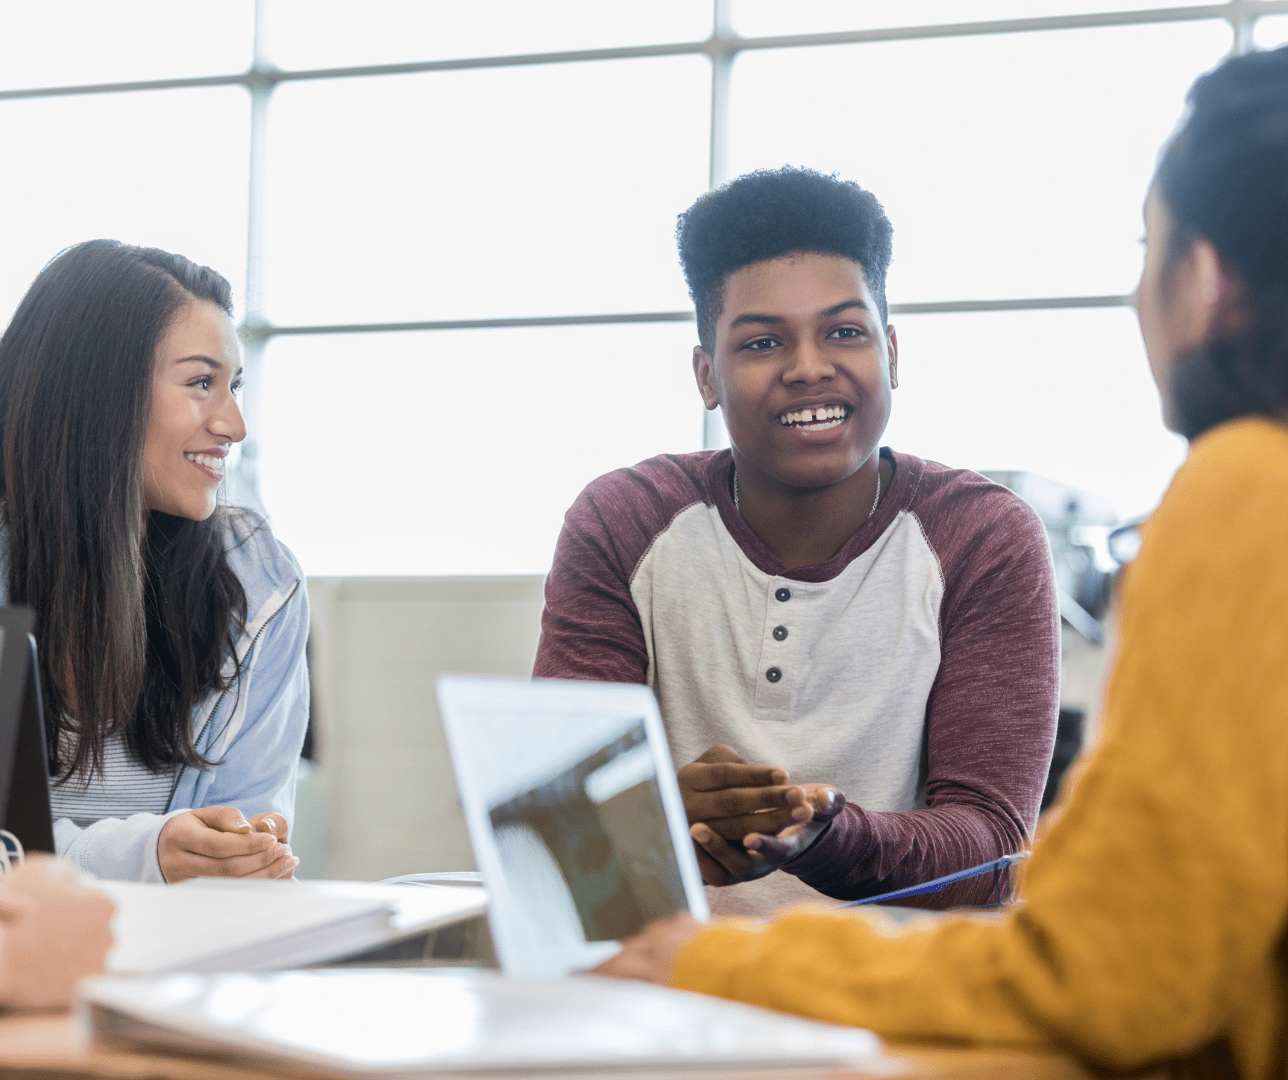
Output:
(892, 347)
(704, 372)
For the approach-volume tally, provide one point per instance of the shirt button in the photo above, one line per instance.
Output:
(780, 632)
(783, 594)
(773, 674)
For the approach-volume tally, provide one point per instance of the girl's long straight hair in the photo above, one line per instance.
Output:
(76, 367)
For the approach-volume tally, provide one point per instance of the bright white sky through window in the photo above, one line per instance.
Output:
(470, 449)
(538, 190)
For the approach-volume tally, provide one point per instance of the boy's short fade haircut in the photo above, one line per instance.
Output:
(775, 212)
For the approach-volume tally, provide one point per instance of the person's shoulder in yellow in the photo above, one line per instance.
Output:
(1232, 487)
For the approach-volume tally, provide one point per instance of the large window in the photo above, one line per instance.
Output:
(450, 225)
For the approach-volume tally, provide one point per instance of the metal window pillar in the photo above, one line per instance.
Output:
(255, 328)
(722, 48)
(1243, 19)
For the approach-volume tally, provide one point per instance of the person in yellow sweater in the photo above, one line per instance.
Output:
(1153, 926)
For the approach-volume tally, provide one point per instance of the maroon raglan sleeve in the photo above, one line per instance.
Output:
(590, 626)
(990, 717)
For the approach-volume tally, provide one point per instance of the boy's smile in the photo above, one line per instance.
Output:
(803, 369)
(816, 419)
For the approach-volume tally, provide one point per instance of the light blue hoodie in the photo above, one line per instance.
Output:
(254, 730)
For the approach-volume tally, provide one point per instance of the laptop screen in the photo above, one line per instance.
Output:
(574, 815)
(24, 764)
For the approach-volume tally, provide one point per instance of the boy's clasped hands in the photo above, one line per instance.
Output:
(746, 820)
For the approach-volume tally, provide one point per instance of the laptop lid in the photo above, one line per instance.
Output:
(24, 763)
(574, 815)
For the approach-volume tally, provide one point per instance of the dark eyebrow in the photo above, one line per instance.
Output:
(752, 317)
(208, 360)
(776, 320)
(845, 306)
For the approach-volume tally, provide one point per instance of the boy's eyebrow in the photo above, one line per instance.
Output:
(752, 317)
(774, 320)
(845, 306)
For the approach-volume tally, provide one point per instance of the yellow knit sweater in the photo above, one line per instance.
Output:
(1154, 922)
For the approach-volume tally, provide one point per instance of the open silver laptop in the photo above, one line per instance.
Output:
(24, 762)
(574, 815)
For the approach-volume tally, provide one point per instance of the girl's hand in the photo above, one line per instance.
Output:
(217, 841)
(269, 822)
(53, 932)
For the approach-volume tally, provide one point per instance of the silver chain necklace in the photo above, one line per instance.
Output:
(737, 505)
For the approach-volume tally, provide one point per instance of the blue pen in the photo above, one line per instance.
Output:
(1004, 863)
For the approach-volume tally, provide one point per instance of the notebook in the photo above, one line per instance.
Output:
(380, 1023)
(242, 924)
(573, 813)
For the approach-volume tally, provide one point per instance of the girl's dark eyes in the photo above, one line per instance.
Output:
(761, 343)
(203, 383)
(848, 333)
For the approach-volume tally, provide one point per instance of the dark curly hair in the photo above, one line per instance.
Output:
(1224, 177)
(770, 213)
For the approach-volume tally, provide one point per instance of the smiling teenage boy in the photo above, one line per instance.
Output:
(880, 630)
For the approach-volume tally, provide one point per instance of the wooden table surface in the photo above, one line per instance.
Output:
(44, 1046)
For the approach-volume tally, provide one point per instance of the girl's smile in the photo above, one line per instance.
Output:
(193, 418)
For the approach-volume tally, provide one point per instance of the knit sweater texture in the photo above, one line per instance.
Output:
(1152, 926)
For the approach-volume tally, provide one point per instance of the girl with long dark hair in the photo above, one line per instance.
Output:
(1153, 927)
(170, 631)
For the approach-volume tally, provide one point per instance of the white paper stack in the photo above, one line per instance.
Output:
(377, 1023)
(227, 924)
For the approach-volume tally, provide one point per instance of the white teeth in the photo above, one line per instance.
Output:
(213, 463)
(818, 419)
